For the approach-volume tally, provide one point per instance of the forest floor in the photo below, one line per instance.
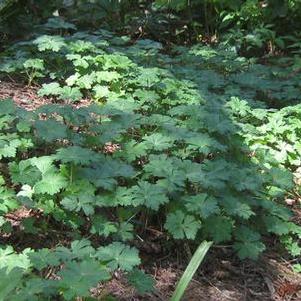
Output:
(223, 277)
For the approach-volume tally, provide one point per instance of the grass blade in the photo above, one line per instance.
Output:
(193, 265)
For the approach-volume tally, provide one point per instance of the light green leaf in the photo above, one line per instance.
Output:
(51, 184)
(79, 277)
(150, 195)
(202, 204)
(46, 42)
(118, 255)
(50, 89)
(103, 227)
(182, 225)
(79, 202)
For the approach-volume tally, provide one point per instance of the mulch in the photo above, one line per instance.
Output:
(27, 97)
(24, 96)
(220, 278)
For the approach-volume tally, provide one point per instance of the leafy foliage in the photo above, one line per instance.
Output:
(119, 255)
(181, 225)
(82, 276)
(198, 147)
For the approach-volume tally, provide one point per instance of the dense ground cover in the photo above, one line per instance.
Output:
(197, 143)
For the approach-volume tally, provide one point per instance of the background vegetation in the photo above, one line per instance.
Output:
(268, 26)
